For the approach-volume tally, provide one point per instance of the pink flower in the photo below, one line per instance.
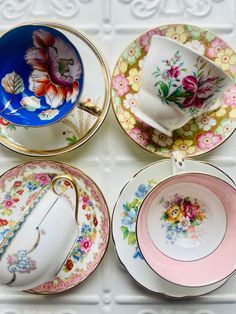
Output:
(190, 210)
(8, 203)
(56, 69)
(121, 85)
(208, 140)
(216, 46)
(11, 260)
(145, 40)
(139, 137)
(42, 178)
(230, 96)
(86, 244)
(17, 184)
(174, 71)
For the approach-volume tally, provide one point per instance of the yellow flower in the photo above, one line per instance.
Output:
(185, 146)
(221, 111)
(126, 120)
(121, 67)
(232, 113)
(6, 212)
(134, 79)
(177, 33)
(225, 58)
(174, 213)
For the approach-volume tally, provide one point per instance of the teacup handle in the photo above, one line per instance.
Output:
(73, 183)
(89, 107)
(177, 162)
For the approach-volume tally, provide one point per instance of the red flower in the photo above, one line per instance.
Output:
(4, 122)
(16, 199)
(190, 210)
(8, 203)
(17, 184)
(69, 265)
(95, 221)
(174, 71)
(88, 216)
(20, 192)
(3, 222)
(85, 199)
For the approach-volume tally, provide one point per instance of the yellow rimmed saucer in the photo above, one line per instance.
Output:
(78, 126)
(198, 136)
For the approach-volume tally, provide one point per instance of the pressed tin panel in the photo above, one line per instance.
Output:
(111, 158)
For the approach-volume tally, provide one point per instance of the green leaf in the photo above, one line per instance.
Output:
(125, 233)
(71, 140)
(131, 238)
(176, 93)
(164, 216)
(164, 88)
(133, 203)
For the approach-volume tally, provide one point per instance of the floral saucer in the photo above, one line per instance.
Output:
(78, 126)
(22, 183)
(201, 134)
(124, 226)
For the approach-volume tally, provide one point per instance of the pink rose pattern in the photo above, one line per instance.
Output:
(121, 85)
(139, 137)
(208, 140)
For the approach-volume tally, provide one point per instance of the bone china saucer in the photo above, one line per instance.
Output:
(78, 126)
(201, 134)
(124, 226)
(19, 185)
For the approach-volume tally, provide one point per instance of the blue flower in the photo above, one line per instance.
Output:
(79, 239)
(142, 191)
(77, 254)
(130, 219)
(86, 229)
(2, 233)
(31, 187)
(137, 253)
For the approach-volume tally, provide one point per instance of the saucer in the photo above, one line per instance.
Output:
(198, 136)
(124, 226)
(78, 126)
(22, 183)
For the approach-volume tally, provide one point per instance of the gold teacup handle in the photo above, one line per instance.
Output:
(89, 107)
(73, 183)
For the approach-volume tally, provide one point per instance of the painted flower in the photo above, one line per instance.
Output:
(134, 79)
(130, 219)
(42, 178)
(131, 101)
(174, 213)
(86, 244)
(77, 253)
(184, 223)
(185, 146)
(208, 140)
(121, 67)
(232, 113)
(4, 122)
(86, 229)
(196, 45)
(174, 71)
(221, 111)
(56, 69)
(205, 122)
(132, 53)
(226, 127)
(177, 33)
(188, 129)
(190, 210)
(126, 120)
(30, 103)
(95, 221)
(230, 96)
(17, 184)
(216, 46)
(142, 190)
(161, 139)
(3, 222)
(8, 203)
(48, 114)
(31, 187)
(225, 58)
(116, 99)
(69, 265)
(145, 40)
(139, 137)
(121, 85)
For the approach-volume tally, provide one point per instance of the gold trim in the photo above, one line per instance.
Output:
(113, 106)
(106, 104)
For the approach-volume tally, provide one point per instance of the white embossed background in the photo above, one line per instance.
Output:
(110, 158)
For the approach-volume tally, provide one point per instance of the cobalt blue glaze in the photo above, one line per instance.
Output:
(48, 71)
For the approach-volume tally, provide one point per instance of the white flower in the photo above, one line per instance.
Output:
(184, 223)
(196, 45)
(48, 114)
(131, 102)
(161, 139)
(205, 122)
(30, 103)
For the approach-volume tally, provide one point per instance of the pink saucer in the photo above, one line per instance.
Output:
(186, 229)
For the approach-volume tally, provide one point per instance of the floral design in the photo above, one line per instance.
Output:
(56, 69)
(30, 103)
(185, 146)
(145, 39)
(48, 114)
(208, 140)
(226, 127)
(13, 83)
(181, 217)
(139, 137)
(121, 85)
(196, 45)
(205, 122)
(188, 129)
(122, 66)
(129, 216)
(216, 46)
(225, 58)
(161, 139)
(134, 79)
(177, 33)
(132, 53)
(197, 89)
(127, 120)
(20, 262)
(131, 101)
(230, 96)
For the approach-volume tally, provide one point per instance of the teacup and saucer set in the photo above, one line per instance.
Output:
(173, 224)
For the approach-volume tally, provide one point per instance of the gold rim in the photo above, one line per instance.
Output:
(113, 106)
(106, 76)
(107, 211)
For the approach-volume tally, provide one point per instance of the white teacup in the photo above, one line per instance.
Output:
(177, 84)
(37, 246)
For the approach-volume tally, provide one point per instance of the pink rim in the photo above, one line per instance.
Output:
(211, 269)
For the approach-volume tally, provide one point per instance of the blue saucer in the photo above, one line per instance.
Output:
(41, 75)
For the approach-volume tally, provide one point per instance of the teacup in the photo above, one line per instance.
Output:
(42, 76)
(37, 245)
(177, 84)
(186, 227)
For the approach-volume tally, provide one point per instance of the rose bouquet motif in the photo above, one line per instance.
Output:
(182, 217)
(188, 92)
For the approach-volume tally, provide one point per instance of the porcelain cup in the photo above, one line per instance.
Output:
(42, 76)
(177, 84)
(37, 245)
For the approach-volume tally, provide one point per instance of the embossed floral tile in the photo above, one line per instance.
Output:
(199, 135)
